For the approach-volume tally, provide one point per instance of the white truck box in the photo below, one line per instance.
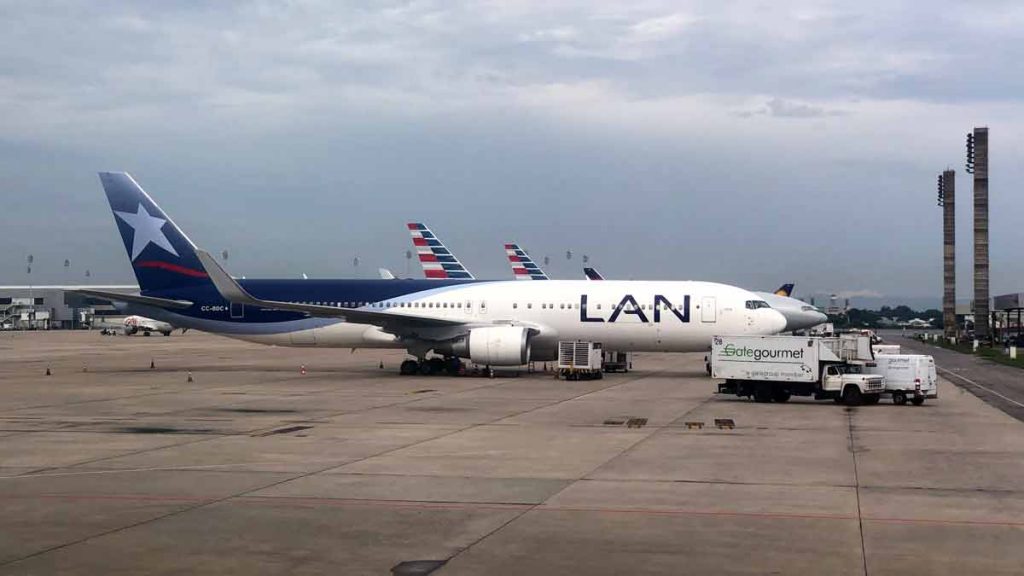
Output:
(885, 349)
(907, 376)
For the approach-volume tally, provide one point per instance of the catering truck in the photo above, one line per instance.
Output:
(907, 377)
(768, 368)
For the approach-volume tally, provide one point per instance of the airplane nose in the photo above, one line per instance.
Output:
(773, 321)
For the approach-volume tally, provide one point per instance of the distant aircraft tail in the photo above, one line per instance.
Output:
(784, 290)
(523, 266)
(592, 274)
(162, 257)
(436, 259)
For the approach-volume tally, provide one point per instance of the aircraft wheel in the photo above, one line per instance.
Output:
(167, 333)
(899, 398)
(437, 365)
(453, 366)
(917, 401)
(408, 368)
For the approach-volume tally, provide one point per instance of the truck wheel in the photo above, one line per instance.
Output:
(852, 396)
(780, 395)
(899, 398)
(917, 401)
(762, 392)
(872, 399)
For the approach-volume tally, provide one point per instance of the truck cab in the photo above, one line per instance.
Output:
(849, 384)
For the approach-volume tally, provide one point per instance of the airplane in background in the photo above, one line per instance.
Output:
(490, 322)
(799, 314)
(523, 266)
(438, 262)
(592, 274)
(140, 324)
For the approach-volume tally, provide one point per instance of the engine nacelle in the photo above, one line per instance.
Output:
(496, 346)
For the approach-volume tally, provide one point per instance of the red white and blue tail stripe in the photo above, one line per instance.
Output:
(523, 266)
(436, 259)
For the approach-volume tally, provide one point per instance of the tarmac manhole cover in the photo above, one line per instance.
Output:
(417, 567)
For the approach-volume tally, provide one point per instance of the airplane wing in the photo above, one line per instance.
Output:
(436, 259)
(523, 266)
(592, 274)
(134, 299)
(400, 324)
(385, 274)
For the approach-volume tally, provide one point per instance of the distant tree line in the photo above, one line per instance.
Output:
(887, 317)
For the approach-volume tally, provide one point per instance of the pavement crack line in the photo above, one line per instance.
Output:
(856, 480)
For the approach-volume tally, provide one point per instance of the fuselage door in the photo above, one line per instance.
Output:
(708, 312)
(237, 310)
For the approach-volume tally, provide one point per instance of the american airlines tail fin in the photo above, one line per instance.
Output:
(523, 266)
(785, 290)
(592, 274)
(436, 259)
(162, 257)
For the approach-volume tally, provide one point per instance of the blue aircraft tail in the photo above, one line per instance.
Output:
(785, 290)
(162, 256)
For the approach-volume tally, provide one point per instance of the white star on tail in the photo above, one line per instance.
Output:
(147, 230)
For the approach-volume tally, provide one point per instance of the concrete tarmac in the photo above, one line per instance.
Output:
(110, 467)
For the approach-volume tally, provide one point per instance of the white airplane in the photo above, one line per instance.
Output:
(490, 322)
(146, 326)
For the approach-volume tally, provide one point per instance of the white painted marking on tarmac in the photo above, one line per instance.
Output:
(985, 388)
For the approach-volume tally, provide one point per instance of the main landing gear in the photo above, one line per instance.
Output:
(432, 366)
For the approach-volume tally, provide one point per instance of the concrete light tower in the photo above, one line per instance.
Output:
(947, 200)
(977, 164)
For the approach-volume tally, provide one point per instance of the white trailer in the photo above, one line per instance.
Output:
(907, 376)
(768, 368)
(579, 360)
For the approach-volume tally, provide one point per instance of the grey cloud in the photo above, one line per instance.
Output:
(780, 108)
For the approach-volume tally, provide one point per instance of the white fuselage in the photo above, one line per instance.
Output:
(669, 316)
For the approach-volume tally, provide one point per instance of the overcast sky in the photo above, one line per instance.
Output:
(753, 143)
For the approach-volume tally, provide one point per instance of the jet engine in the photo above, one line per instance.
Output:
(495, 346)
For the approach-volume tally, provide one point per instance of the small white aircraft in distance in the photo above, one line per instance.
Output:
(146, 326)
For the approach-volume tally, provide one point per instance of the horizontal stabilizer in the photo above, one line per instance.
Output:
(135, 299)
(232, 291)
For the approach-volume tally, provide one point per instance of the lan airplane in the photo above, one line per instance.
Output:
(799, 314)
(490, 322)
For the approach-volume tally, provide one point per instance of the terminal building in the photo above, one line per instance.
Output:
(54, 307)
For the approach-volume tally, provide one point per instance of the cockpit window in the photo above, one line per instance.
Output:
(755, 304)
